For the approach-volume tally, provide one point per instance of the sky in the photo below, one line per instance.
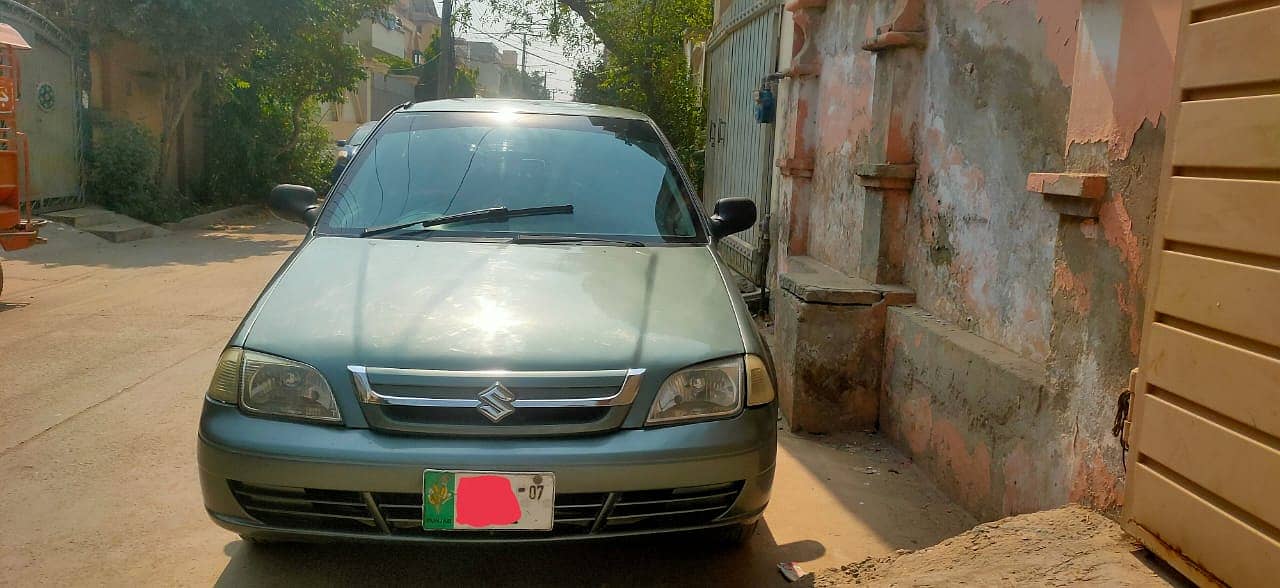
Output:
(543, 55)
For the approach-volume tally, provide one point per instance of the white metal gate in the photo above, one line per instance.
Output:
(741, 52)
(52, 112)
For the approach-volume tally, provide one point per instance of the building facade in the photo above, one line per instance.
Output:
(401, 32)
(960, 218)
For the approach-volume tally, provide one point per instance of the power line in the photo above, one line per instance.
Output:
(512, 46)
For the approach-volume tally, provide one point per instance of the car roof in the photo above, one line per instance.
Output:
(524, 106)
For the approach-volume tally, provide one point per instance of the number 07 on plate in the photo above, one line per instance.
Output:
(522, 501)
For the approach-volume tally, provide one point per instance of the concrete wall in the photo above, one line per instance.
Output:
(127, 85)
(909, 136)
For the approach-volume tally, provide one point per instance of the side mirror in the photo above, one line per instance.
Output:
(294, 203)
(342, 142)
(732, 215)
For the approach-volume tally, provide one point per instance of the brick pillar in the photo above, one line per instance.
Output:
(888, 167)
(830, 326)
(800, 132)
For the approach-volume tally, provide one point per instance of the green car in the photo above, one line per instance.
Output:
(507, 322)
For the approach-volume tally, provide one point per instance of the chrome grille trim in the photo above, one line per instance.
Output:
(625, 395)
(575, 514)
(489, 374)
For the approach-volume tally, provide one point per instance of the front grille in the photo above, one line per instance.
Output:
(306, 508)
(575, 514)
(680, 507)
(470, 417)
(401, 513)
(455, 403)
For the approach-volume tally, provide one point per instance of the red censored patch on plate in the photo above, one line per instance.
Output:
(484, 501)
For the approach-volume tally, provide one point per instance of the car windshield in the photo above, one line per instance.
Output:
(362, 133)
(615, 173)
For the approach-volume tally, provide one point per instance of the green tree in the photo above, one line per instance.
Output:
(464, 79)
(195, 41)
(302, 59)
(267, 105)
(642, 65)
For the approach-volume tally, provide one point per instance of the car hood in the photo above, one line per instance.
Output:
(451, 305)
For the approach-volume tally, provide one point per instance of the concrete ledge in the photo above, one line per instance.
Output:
(981, 419)
(1070, 194)
(894, 40)
(886, 176)
(81, 217)
(1068, 184)
(125, 230)
(814, 282)
(108, 225)
(796, 166)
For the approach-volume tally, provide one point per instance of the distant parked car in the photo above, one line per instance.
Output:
(506, 322)
(348, 148)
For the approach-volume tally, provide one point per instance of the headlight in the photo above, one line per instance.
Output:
(707, 390)
(266, 384)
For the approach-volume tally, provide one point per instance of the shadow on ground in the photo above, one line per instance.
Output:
(691, 559)
(69, 247)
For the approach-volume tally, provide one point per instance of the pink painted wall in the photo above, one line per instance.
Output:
(844, 109)
(1010, 87)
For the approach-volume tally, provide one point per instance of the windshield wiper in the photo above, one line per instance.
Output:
(554, 239)
(497, 213)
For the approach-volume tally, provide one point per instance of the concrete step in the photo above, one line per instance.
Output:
(108, 225)
(125, 229)
(82, 217)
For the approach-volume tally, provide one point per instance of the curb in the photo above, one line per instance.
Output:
(201, 221)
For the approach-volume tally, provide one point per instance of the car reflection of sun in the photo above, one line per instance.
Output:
(492, 320)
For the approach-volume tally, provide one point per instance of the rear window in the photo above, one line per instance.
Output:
(617, 174)
(362, 133)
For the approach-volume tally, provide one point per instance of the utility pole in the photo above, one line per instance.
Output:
(524, 70)
(444, 83)
(523, 29)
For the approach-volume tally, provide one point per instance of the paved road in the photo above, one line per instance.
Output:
(105, 351)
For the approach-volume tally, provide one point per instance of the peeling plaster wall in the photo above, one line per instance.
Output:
(844, 105)
(980, 248)
(978, 417)
(1003, 381)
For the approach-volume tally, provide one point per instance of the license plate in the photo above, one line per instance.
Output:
(488, 500)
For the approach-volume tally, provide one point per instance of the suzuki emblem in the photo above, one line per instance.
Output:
(496, 402)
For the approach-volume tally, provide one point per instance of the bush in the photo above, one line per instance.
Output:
(122, 161)
(246, 149)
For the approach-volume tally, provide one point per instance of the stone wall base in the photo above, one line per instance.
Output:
(830, 346)
(979, 418)
(828, 360)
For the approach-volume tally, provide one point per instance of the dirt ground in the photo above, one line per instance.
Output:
(1069, 546)
(105, 353)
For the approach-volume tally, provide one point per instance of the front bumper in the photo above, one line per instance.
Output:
(270, 453)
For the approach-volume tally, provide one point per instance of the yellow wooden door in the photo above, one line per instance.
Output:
(1204, 468)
